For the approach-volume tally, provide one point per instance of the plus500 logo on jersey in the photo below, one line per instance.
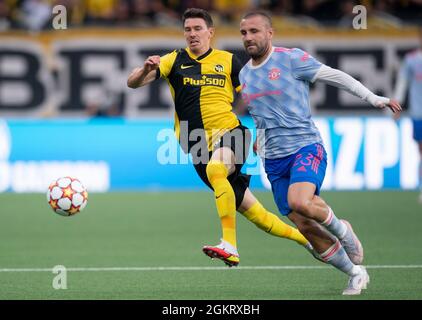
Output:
(205, 80)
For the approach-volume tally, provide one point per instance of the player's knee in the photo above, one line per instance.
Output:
(215, 170)
(300, 205)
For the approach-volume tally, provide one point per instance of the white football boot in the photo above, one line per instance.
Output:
(357, 282)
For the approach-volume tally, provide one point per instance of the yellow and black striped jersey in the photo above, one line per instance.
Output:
(203, 91)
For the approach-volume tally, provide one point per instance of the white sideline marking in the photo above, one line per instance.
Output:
(99, 269)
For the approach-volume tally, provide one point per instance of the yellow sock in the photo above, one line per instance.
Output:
(272, 224)
(224, 198)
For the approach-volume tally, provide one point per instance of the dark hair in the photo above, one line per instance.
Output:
(198, 13)
(263, 14)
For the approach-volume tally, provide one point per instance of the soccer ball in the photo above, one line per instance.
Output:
(67, 196)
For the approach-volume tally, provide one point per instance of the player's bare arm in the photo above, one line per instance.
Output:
(142, 76)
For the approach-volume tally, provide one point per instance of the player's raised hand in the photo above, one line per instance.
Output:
(151, 63)
(142, 76)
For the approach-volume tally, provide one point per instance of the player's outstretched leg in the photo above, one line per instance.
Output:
(217, 174)
(265, 220)
(331, 251)
(302, 200)
(255, 212)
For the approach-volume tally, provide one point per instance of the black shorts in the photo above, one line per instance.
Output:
(238, 140)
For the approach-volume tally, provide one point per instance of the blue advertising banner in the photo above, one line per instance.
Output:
(143, 154)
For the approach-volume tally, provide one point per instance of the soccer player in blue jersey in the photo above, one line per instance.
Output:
(410, 76)
(275, 85)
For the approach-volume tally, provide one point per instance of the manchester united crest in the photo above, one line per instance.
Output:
(274, 74)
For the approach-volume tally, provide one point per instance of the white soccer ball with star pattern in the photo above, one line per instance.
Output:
(67, 196)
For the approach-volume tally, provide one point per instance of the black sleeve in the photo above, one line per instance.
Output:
(157, 74)
(236, 67)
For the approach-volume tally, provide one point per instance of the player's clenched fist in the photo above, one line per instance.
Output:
(152, 63)
(145, 75)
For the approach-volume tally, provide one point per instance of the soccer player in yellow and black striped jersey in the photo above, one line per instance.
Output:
(202, 81)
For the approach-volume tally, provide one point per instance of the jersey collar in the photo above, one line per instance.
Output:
(206, 54)
(263, 62)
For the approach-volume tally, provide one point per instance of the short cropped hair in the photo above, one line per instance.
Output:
(198, 13)
(263, 14)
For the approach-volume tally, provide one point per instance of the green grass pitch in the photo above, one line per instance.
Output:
(167, 230)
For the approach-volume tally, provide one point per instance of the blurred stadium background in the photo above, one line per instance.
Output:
(65, 110)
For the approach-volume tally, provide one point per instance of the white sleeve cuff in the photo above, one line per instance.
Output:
(377, 101)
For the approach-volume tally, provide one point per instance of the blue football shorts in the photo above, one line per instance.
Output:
(417, 130)
(306, 165)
